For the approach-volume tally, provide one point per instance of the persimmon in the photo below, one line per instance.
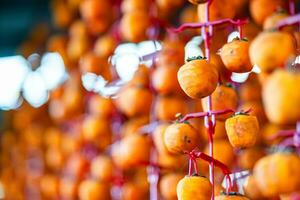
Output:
(62, 14)
(250, 188)
(261, 9)
(105, 46)
(166, 107)
(132, 31)
(77, 47)
(49, 186)
(101, 106)
(280, 86)
(91, 63)
(235, 56)
(158, 138)
(270, 50)
(96, 14)
(223, 151)
(224, 97)
(168, 184)
(217, 10)
(169, 5)
(133, 5)
(54, 158)
(291, 196)
(134, 101)
(271, 21)
(198, 78)
(172, 53)
(196, 2)
(93, 190)
(251, 30)
(102, 168)
(133, 191)
(164, 80)
(250, 91)
(232, 196)
(76, 166)
(277, 173)
(68, 188)
(170, 161)
(242, 130)
(194, 187)
(131, 151)
(133, 125)
(93, 128)
(181, 137)
(248, 157)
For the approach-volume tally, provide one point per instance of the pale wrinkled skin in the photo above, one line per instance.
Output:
(281, 97)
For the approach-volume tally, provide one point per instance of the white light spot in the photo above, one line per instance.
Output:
(192, 48)
(13, 71)
(232, 36)
(35, 90)
(52, 70)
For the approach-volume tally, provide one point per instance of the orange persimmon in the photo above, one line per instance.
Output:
(158, 138)
(131, 151)
(168, 184)
(223, 151)
(270, 50)
(105, 46)
(102, 168)
(101, 107)
(132, 31)
(181, 137)
(133, 5)
(261, 9)
(133, 191)
(224, 97)
(93, 190)
(49, 185)
(198, 78)
(242, 130)
(166, 107)
(133, 125)
(235, 56)
(164, 80)
(280, 97)
(271, 21)
(250, 188)
(134, 101)
(194, 187)
(248, 157)
(218, 9)
(278, 173)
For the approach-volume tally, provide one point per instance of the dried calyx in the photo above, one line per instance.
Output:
(231, 193)
(196, 58)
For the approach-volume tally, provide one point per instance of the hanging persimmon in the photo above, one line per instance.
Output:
(271, 21)
(261, 9)
(166, 107)
(242, 130)
(280, 87)
(224, 97)
(278, 173)
(248, 157)
(133, 5)
(102, 168)
(194, 187)
(93, 190)
(49, 186)
(105, 46)
(168, 184)
(235, 56)
(198, 78)
(101, 106)
(181, 137)
(134, 101)
(131, 151)
(250, 188)
(270, 50)
(158, 138)
(132, 31)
